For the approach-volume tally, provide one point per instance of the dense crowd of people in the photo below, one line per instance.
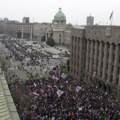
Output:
(60, 97)
(57, 96)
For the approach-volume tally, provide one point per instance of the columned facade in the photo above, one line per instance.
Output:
(115, 67)
(100, 57)
(91, 58)
(96, 60)
(95, 56)
(110, 64)
(104, 74)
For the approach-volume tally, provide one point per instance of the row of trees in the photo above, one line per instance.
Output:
(19, 35)
(49, 42)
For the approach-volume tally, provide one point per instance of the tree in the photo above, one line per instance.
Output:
(68, 65)
(26, 35)
(50, 42)
(19, 34)
(43, 39)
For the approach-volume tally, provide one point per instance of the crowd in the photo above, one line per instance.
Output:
(60, 97)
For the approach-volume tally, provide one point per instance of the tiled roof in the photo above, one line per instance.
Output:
(7, 107)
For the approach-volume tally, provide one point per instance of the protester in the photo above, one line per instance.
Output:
(62, 98)
(56, 96)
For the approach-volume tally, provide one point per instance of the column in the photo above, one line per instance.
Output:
(105, 61)
(87, 56)
(109, 72)
(22, 32)
(100, 59)
(46, 37)
(80, 58)
(73, 57)
(115, 69)
(91, 58)
(31, 32)
(95, 56)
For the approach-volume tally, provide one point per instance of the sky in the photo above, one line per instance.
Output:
(76, 11)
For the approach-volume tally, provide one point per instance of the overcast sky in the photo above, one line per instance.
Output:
(76, 11)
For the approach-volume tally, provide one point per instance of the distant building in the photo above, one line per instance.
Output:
(90, 20)
(40, 29)
(2, 26)
(26, 20)
(6, 20)
(59, 30)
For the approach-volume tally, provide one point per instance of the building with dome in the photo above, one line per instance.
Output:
(59, 18)
(60, 30)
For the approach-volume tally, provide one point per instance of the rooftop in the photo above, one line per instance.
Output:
(7, 107)
(60, 15)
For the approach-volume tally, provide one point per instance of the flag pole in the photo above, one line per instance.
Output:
(111, 19)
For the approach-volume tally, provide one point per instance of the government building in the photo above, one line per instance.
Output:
(95, 56)
(60, 31)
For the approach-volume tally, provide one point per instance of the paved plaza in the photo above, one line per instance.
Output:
(25, 68)
(7, 107)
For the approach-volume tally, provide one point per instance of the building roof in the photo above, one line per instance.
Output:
(60, 15)
(7, 107)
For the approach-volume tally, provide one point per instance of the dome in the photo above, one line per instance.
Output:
(59, 15)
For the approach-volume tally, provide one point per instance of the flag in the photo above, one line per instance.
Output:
(80, 108)
(49, 86)
(55, 77)
(55, 86)
(35, 84)
(63, 75)
(59, 93)
(69, 88)
(78, 88)
(111, 15)
(94, 73)
(35, 93)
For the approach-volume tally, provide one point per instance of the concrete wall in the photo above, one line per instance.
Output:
(105, 33)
